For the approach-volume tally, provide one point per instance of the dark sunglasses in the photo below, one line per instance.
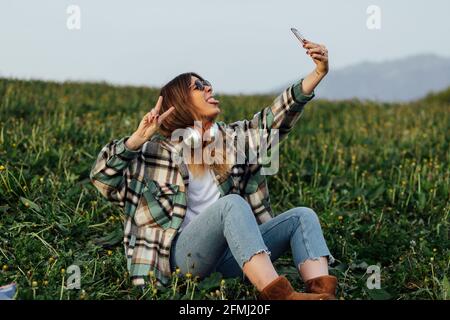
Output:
(201, 84)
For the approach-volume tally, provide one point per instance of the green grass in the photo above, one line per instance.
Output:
(376, 174)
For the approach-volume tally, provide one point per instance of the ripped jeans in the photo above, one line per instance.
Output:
(226, 235)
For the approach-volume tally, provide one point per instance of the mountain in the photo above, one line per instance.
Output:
(403, 79)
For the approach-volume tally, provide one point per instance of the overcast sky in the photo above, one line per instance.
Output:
(240, 46)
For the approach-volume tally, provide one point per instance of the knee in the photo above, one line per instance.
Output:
(306, 215)
(236, 204)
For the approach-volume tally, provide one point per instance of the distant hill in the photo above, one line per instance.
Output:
(440, 97)
(403, 79)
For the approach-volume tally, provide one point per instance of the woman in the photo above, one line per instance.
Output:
(216, 216)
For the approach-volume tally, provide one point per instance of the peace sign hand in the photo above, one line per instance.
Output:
(148, 126)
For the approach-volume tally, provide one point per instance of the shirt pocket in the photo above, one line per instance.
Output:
(156, 205)
(161, 189)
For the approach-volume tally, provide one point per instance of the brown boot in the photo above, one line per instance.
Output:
(281, 289)
(323, 284)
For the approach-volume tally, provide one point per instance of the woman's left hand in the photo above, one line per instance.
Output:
(319, 54)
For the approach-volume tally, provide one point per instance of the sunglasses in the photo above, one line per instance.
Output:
(201, 84)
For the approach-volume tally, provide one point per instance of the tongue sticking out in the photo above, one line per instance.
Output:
(212, 100)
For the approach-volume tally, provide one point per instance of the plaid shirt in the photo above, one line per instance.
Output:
(151, 186)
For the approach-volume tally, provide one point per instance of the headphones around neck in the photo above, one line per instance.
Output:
(194, 137)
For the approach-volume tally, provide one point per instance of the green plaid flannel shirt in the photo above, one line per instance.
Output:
(151, 187)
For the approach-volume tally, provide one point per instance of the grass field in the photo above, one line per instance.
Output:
(376, 174)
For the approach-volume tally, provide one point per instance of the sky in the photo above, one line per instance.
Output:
(239, 46)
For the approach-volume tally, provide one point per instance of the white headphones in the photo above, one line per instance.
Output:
(193, 137)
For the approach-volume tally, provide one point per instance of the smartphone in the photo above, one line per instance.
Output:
(298, 35)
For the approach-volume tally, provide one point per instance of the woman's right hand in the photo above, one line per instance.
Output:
(148, 126)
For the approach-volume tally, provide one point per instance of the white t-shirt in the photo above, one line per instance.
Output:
(202, 192)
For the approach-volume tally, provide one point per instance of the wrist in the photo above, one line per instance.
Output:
(320, 73)
(133, 143)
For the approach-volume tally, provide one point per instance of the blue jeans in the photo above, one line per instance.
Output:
(226, 235)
